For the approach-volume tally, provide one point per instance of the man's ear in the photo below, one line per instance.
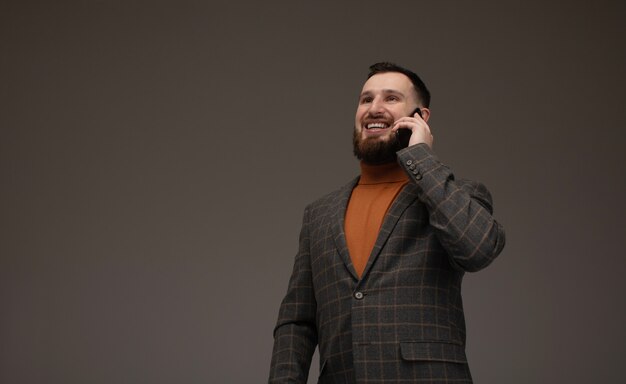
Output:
(425, 114)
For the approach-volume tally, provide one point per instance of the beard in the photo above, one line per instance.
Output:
(373, 150)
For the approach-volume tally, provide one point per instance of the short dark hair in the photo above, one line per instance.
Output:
(423, 94)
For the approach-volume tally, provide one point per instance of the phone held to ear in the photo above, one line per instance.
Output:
(404, 134)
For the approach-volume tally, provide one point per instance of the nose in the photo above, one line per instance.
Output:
(376, 107)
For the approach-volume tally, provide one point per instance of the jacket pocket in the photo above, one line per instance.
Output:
(433, 351)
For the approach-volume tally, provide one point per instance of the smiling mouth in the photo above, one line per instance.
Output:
(376, 126)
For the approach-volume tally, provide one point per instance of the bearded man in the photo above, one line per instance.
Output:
(376, 282)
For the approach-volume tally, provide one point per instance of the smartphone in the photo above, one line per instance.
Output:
(404, 134)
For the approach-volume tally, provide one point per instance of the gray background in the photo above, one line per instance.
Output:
(155, 159)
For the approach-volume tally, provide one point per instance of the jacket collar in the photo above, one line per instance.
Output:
(407, 195)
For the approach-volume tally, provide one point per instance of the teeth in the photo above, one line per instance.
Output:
(376, 125)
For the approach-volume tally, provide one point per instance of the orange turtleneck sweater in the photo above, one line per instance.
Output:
(377, 188)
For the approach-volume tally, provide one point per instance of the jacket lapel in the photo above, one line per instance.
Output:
(407, 195)
(340, 207)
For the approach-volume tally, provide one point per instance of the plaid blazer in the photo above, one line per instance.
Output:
(402, 321)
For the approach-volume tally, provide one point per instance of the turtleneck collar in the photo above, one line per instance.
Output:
(383, 173)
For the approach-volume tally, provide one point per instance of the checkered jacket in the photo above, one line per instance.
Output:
(402, 321)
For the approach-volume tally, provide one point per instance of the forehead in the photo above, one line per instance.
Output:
(389, 81)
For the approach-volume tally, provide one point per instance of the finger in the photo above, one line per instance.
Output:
(403, 124)
(407, 120)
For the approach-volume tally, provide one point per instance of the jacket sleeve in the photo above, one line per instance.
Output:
(295, 334)
(459, 211)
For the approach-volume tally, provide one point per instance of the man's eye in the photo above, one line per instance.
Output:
(392, 98)
(366, 100)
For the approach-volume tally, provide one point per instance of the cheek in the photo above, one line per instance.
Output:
(400, 112)
(360, 112)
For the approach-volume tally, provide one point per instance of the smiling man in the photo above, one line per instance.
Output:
(385, 105)
(376, 282)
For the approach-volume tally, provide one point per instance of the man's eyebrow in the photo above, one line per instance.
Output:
(385, 91)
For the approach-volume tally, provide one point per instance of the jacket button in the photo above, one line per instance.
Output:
(358, 295)
(409, 162)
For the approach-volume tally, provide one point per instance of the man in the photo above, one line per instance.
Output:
(377, 278)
